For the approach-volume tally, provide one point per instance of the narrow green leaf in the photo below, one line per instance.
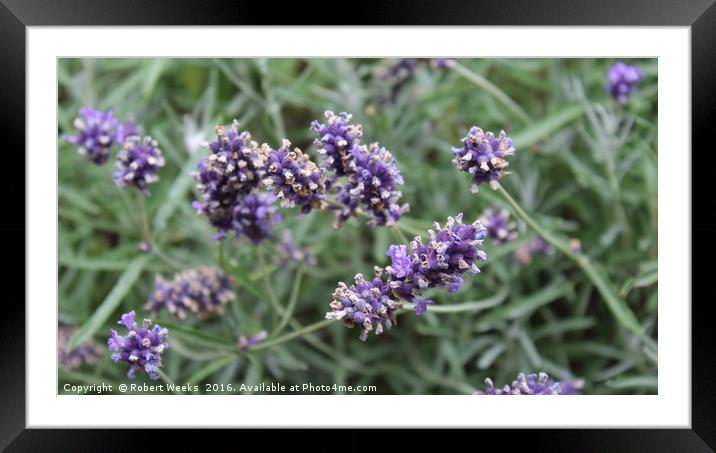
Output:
(154, 69)
(211, 368)
(489, 356)
(197, 336)
(546, 127)
(525, 305)
(110, 303)
(642, 382)
(616, 305)
(79, 199)
(176, 195)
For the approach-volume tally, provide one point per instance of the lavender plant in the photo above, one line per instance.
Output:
(257, 310)
(622, 81)
(483, 156)
(204, 292)
(137, 163)
(96, 134)
(532, 384)
(499, 227)
(86, 353)
(141, 349)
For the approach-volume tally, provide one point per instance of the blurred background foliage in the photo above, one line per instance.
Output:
(584, 168)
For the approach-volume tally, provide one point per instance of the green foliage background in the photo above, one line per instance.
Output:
(583, 169)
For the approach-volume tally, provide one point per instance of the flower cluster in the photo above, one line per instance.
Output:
(288, 252)
(532, 384)
(450, 252)
(622, 81)
(85, 353)
(245, 343)
(440, 263)
(202, 291)
(234, 168)
(366, 304)
(372, 182)
(483, 156)
(141, 348)
(96, 134)
(371, 174)
(403, 70)
(336, 139)
(499, 227)
(138, 162)
(255, 215)
(524, 254)
(294, 178)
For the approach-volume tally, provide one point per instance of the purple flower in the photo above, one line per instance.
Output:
(95, 136)
(137, 163)
(126, 130)
(246, 343)
(499, 227)
(255, 215)
(622, 81)
(450, 252)
(234, 167)
(531, 384)
(336, 139)
(523, 255)
(366, 304)
(442, 63)
(483, 156)
(202, 291)
(288, 252)
(372, 183)
(294, 178)
(85, 353)
(141, 348)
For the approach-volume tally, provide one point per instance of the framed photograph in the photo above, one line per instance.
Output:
(360, 226)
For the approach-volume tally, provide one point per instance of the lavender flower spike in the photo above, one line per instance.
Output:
(373, 180)
(137, 163)
(499, 227)
(246, 343)
(96, 134)
(450, 252)
(622, 81)
(204, 292)
(141, 348)
(336, 139)
(287, 252)
(85, 353)
(294, 178)
(531, 384)
(366, 304)
(234, 167)
(483, 156)
(255, 215)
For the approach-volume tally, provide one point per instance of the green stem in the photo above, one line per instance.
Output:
(295, 334)
(273, 299)
(618, 307)
(221, 255)
(560, 245)
(147, 234)
(286, 317)
(145, 220)
(497, 93)
(399, 233)
(614, 187)
(473, 306)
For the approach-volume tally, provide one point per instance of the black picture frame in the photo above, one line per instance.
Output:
(699, 15)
